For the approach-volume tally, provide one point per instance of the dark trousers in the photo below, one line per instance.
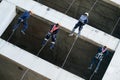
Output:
(25, 25)
(80, 25)
(53, 38)
(95, 62)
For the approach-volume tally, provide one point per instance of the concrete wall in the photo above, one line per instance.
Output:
(113, 71)
(99, 16)
(10, 70)
(6, 15)
(89, 33)
(114, 2)
(37, 64)
(34, 63)
(27, 59)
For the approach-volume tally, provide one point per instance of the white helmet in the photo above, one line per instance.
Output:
(87, 13)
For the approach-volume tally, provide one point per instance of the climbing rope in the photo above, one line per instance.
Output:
(24, 74)
(95, 71)
(69, 52)
(114, 30)
(67, 10)
(93, 6)
(10, 36)
(36, 55)
(91, 76)
(72, 44)
(7, 40)
(100, 60)
(42, 48)
(69, 7)
(76, 38)
(115, 26)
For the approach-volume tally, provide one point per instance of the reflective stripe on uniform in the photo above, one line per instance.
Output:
(53, 42)
(46, 39)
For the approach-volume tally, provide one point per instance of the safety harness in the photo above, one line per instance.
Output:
(54, 28)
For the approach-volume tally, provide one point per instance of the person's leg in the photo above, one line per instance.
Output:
(76, 26)
(46, 38)
(80, 28)
(25, 26)
(92, 63)
(53, 41)
(16, 25)
(97, 66)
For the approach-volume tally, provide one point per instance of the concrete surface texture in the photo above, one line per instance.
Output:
(103, 16)
(113, 2)
(90, 33)
(9, 11)
(35, 63)
(78, 60)
(114, 68)
(10, 70)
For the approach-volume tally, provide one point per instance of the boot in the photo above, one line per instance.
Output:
(43, 42)
(51, 46)
(22, 32)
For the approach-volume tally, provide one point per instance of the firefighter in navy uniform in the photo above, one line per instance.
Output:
(51, 33)
(102, 52)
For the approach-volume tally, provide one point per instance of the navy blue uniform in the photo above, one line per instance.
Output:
(99, 57)
(52, 33)
(23, 19)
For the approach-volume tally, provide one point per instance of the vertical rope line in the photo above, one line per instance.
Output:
(24, 74)
(67, 9)
(69, 6)
(43, 47)
(115, 26)
(114, 30)
(76, 39)
(69, 52)
(92, 6)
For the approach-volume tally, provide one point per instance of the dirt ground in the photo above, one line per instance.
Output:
(79, 58)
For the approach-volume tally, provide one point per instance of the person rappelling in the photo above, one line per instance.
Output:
(23, 19)
(101, 53)
(81, 22)
(51, 33)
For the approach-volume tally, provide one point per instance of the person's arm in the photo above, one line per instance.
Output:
(56, 31)
(86, 21)
(106, 53)
(51, 26)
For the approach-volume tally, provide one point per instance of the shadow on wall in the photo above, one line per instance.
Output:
(79, 58)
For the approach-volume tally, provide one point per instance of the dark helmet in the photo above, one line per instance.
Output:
(104, 47)
(57, 24)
